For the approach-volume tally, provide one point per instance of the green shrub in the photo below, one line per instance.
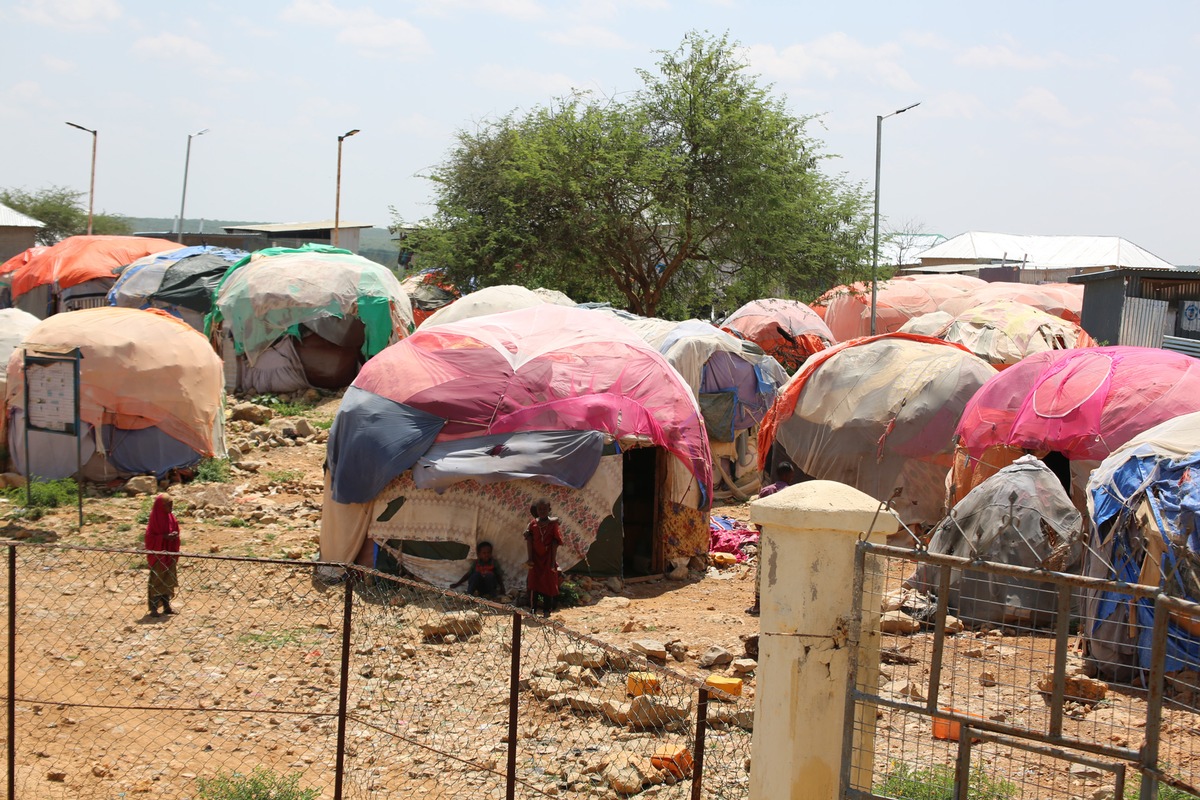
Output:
(323, 424)
(283, 408)
(261, 784)
(46, 494)
(906, 782)
(284, 475)
(214, 470)
(569, 595)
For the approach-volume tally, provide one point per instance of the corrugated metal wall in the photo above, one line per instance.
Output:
(1143, 322)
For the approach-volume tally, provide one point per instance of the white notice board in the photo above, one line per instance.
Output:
(1189, 315)
(51, 386)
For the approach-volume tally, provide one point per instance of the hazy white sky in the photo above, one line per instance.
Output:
(1035, 117)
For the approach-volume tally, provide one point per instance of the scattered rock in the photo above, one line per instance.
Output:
(583, 656)
(906, 688)
(627, 773)
(715, 656)
(679, 569)
(727, 714)
(647, 712)
(1079, 688)
(613, 602)
(616, 711)
(744, 666)
(750, 645)
(545, 688)
(101, 770)
(141, 484)
(650, 648)
(615, 584)
(987, 678)
(678, 651)
(458, 623)
(251, 412)
(304, 428)
(898, 622)
(1086, 771)
(56, 776)
(577, 701)
(953, 624)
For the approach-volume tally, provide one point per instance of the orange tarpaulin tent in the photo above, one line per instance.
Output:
(78, 259)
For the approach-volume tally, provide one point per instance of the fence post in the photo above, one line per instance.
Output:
(514, 693)
(808, 576)
(1154, 698)
(698, 754)
(12, 672)
(339, 769)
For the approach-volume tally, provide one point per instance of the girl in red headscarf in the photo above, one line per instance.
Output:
(162, 535)
(542, 539)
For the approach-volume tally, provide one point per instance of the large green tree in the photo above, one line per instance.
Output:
(62, 211)
(701, 188)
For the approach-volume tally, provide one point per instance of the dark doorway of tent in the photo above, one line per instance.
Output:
(629, 543)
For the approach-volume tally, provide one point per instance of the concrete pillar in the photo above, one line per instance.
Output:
(807, 576)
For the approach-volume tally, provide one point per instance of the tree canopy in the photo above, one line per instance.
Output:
(62, 211)
(701, 188)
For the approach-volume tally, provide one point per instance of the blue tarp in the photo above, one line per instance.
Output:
(564, 458)
(148, 450)
(372, 441)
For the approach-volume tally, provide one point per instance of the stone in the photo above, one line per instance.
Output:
(647, 712)
(974, 651)
(56, 776)
(614, 584)
(1085, 771)
(613, 602)
(304, 428)
(583, 656)
(1079, 688)
(458, 623)
(905, 688)
(731, 715)
(678, 573)
(750, 645)
(576, 701)
(616, 711)
(544, 688)
(953, 624)
(650, 648)
(744, 666)
(234, 455)
(987, 678)
(251, 412)
(898, 622)
(141, 484)
(715, 656)
(628, 773)
(678, 651)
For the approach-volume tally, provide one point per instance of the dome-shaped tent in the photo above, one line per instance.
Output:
(496, 300)
(447, 437)
(1002, 332)
(14, 325)
(77, 272)
(428, 293)
(787, 330)
(1063, 300)
(878, 413)
(848, 312)
(181, 282)
(1078, 404)
(305, 317)
(150, 394)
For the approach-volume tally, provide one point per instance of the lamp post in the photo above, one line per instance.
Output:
(337, 200)
(183, 198)
(92, 184)
(875, 238)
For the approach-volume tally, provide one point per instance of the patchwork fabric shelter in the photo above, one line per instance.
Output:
(878, 413)
(787, 330)
(181, 282)
(428, 292)
(927, 324)
(1002, 332)
(496, 300)
(308, 316)
(1143, 501)
(735, 383)
(848, 312)
(8, 271)
(15, 324)
(77, 272)
(1020, 516)
(1078, 404)
(446, 438)
(151, 395)
(1063, 300)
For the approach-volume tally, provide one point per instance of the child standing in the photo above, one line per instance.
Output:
(483, 578)
(162, 535)
(542, 539)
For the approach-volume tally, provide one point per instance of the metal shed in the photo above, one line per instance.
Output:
(1141, 307)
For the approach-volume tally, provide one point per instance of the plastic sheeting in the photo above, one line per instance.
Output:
(495, 300)
(272, 292)
(877, 413)
(140, 369)
(1144, 500)
(848, 309)
(374, 439)
(1020, 516)
(186, 278)
(428, 293)
(787, 330)
(564, 458)
(1063, 300)
(1002, 332)
(77, 259)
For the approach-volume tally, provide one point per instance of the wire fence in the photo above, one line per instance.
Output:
(371, 686)
(984, 688)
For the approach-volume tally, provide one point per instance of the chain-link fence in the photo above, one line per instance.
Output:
(983, 687)
(370, 686)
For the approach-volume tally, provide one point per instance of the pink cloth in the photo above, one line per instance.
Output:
(721, 540)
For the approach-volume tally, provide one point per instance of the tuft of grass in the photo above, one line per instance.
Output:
(143, 515)
(323, 424)
(125, 526)
(907, 782)
(283, 408)
(237, 522)
(45, 494)
(569, 595)
(214, 470)
(276, 639)
(284, 475)
(261, 784)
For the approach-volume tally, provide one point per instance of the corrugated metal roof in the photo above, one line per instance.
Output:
(286, 227)
(10, 218)
(1046, 252)
(1180, 274)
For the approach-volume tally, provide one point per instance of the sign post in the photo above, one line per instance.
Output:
(52, 406)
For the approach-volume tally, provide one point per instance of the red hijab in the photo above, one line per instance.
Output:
(162, 532)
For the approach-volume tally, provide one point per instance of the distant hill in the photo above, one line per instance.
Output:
(376, 243)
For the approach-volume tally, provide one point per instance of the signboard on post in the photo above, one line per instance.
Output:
(52, 406)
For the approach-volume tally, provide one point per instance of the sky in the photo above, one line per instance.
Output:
(1034, 117)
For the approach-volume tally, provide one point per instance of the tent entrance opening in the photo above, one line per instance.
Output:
(642, 553)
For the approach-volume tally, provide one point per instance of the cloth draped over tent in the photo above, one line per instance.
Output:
(274, 292)
(848, 309)
(787, 330)
(78, 259)
(181, 282)
(1064, 300)
(428, 293)
(1002, 332)
(495, 300)
(878, 413)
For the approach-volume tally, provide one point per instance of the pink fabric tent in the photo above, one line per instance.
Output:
(787, 330)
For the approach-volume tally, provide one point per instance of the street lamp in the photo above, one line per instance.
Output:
(92, 185)
(875, 244)
(337, 201)
(183, 199)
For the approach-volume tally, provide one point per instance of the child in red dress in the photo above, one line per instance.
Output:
(542, 539)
